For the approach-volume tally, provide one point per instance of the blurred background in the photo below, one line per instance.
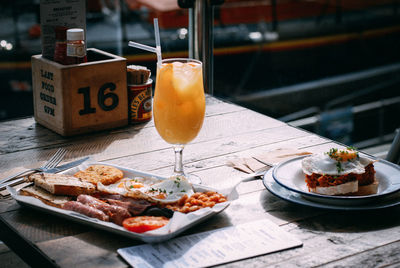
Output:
(328, 66)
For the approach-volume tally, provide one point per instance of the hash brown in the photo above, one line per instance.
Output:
(100, 173)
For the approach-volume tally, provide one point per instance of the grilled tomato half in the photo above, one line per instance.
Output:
(141, 224)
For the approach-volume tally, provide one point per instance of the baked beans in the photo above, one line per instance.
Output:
(197, 201)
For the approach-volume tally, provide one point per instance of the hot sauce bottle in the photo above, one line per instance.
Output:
(76, 49)
(60, 50)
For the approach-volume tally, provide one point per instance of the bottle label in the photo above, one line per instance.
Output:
(140, 102)
(76, 50)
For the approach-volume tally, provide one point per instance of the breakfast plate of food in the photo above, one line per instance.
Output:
(125, 201)
(339, 176)
(294, 197)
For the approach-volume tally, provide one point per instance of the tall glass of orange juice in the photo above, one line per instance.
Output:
(179, 105)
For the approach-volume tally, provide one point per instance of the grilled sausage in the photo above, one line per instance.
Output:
(86, 210)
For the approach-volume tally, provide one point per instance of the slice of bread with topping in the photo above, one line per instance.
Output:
(60, 184)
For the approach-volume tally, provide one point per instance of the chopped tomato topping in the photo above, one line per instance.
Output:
(366, 178)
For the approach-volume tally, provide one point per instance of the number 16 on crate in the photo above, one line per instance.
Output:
(80, 98)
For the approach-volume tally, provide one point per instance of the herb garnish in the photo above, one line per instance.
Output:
(339, 166)
(152, 190)
(177, 181)
(342, 155)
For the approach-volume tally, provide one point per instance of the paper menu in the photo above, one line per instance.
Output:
(212, 247)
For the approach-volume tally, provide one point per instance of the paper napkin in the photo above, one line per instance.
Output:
(271, 158)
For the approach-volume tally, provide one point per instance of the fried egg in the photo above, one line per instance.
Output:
(335, 162)
(124, 185)
(151, 189)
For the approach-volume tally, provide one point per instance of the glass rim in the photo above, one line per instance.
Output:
(181, 59)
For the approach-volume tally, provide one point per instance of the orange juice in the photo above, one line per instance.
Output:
(179, 102)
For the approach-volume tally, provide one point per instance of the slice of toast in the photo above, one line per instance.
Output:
(341, 189)
(60, 184)
(368, 189)
(44, 196)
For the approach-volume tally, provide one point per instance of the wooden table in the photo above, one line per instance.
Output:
(330, 238)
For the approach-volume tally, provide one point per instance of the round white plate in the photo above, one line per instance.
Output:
(290, 175)
(294, 197)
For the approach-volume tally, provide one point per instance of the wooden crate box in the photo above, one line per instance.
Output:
(80, 98)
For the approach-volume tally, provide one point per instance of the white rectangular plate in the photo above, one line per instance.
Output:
(177, 224)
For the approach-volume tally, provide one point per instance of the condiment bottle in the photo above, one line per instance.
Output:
(76, 50)
(139, 94)
(60, 50)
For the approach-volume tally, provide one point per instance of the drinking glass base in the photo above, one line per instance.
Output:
(193, 179)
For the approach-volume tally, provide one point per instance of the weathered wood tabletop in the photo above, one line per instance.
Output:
(330, 238)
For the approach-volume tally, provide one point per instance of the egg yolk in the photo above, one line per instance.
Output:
(346, 155)
(160, 196)
(131, 184)
(342, 155)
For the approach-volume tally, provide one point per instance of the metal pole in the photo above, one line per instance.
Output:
(191, 31)
(203, 40)
(394, 151)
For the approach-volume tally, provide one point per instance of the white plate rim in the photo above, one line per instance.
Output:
(296, 198)
(333, 197)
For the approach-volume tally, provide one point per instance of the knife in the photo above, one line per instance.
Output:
(52, 170)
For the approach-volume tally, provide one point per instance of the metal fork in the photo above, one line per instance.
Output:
(51, 163)
(257, 173)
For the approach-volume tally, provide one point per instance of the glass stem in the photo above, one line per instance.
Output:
(178, 170)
